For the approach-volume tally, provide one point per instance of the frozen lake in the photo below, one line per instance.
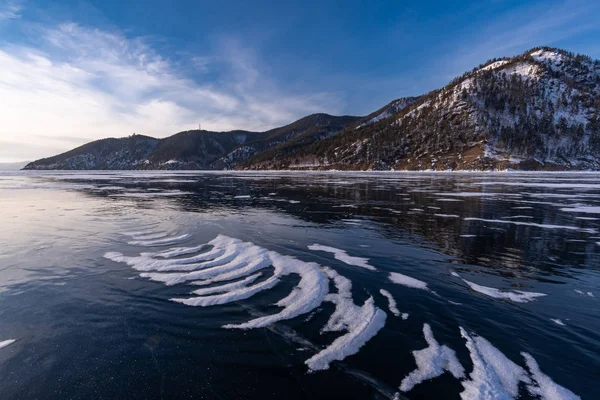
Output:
(214, 285)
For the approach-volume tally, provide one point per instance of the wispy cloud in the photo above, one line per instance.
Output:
(9, 9)
(90, 84)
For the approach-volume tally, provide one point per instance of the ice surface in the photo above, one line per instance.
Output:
(404, 280)
(343, 256)
(546, 185)
(494, 376)
(391, 302)
(543, 386)
(432, 362)
(546, 226)
(5, 343)
(405, 316)
(150, 194)
(360, 322)
(517, 296)
(472, 194)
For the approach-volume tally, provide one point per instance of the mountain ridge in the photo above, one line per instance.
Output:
(537, 110)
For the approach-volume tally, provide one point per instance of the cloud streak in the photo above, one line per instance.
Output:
(90, 84)
(9, 10)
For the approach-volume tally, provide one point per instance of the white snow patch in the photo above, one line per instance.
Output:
(360, 322)
(404, 280)
(557, 321)
(391, 302)
(494, 65)
(543, 386)
(517, 296)
(447, 215)
(494, 376)
(343, 256)
(432, 362)
(5, 343)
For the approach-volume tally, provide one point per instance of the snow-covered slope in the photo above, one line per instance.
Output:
(388, 110)
(539, 110)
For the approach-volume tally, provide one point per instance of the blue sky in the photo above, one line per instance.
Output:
(75, 71)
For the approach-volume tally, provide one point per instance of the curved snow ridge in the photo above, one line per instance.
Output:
(227, 260)
(432, 362)
(226, 287)
(308, 294)
(5, 343)
(360, 322)
(234, 295)
(165, 241)
(343, 256)
(518, 296)
(148, 262)
(150, 235)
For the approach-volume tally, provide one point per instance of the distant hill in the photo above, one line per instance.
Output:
(195, 149)
(538, 110)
